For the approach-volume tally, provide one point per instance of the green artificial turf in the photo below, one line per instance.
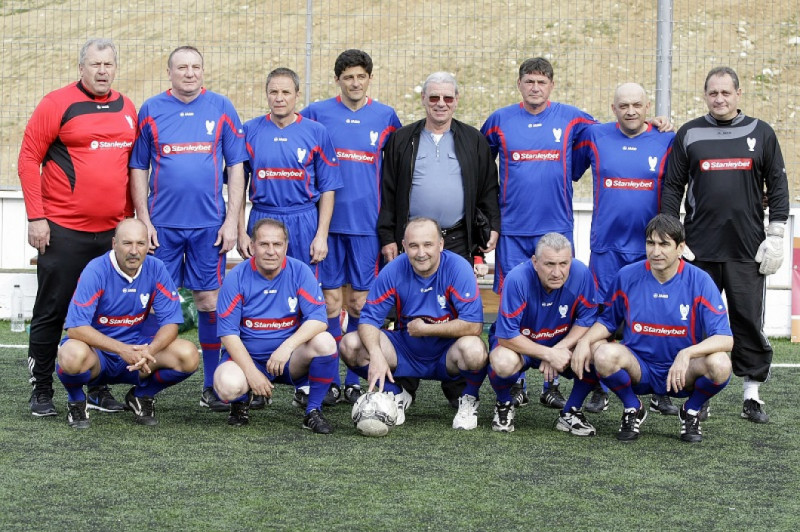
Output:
(194, 472)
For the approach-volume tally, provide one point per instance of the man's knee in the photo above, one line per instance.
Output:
(205, 300)
(349, 349)
(186, 355)
(504, 361)
(333, 301)
(72, 356)
(229, 381)
(606, 359)
(355, 302)
(322, 344)
(473, 352)
(718, 366)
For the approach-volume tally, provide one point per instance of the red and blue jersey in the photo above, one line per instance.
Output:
(290, 167)
(661, 319)
(185, 145)
(263, 312)
(535, 155)
(118, 305)
(527, 309)
(358, 137)
(628, 174)
(450, 293)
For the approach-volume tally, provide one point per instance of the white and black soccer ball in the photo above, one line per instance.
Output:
(374, 414)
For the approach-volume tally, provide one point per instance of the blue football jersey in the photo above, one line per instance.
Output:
(117, 305)
(292, 166)
(264, 313)
(450, 293)
(185, 145)
(535, 156)
(661, 319)
(527, 309)
(358, 138)
(628, 174)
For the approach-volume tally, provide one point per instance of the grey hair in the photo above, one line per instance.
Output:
(554, 241)
(440, 77)
(100, 44)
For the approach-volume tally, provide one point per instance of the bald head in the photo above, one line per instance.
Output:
(130, 244)
(630, 106)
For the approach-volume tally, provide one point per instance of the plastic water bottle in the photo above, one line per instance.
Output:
(17, 310)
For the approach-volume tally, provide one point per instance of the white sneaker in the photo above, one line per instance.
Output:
(467, 415)
(403, 401)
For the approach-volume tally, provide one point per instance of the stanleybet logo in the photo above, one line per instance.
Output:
(94, 144)
(706, 165)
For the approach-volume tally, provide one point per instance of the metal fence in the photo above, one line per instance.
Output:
(593, 44)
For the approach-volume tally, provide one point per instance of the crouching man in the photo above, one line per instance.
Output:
(548, 303)
(675, 333)
(108, 341)
(439, 322)
(272, 322)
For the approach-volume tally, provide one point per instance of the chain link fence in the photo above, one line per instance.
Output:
(594, 46)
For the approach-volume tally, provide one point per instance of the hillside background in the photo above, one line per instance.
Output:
(594, 45)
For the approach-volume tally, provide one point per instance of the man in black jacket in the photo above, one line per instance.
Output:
(439, 168)
(442, 169)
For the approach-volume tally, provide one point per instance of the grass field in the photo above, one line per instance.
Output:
(194, 472)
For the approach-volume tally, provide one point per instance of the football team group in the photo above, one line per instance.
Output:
(366, 240)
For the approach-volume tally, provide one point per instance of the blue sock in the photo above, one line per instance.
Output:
(158, 380)
(352, 323)
(581, 388)
(320, 375)
(474, 380)
(704, 389)
(335, 328)
(74, 383)
(209, 345)
(620, 384)
(502, 385)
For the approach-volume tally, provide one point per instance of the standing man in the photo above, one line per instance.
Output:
(534, 141)
(439, 322)
(294, 173)
(73, 167)
(443, 169)
(629, 161)
(727, 160)
(438, 168)
(108, 341)
(547, 304)
(272, 324)
(675, 334)
(359, 128)
(185, 135)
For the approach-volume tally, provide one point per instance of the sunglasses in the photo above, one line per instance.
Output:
(447, 99)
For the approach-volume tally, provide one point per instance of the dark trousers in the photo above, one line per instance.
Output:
(745, 290)
(455, 240)
(57, 271)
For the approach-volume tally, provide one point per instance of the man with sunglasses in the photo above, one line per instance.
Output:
(443, 169)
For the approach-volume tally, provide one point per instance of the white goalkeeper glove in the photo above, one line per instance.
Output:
(770, 252)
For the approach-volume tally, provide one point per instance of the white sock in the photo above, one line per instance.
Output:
(751, 389)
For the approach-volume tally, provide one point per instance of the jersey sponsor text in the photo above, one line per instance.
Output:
(292, 174)
(276, 324)
(710, 165)
(355, 156)
(652, 329)
(535, 155)
(628, 184)
(186, 147)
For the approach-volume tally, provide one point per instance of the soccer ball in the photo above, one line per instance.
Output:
(374, 414)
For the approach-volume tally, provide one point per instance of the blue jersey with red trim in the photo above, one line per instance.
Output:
(358, 137)
(117, 305)
(628, 174)
(263, 312)
(535, 155)
(527, 309)
(661, 319)
(184, 145)
(450, 293)
(291, 166)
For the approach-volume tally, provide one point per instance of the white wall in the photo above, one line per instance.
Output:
(15, 256)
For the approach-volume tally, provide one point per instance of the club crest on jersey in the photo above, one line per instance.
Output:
(373, 137)
(751, 143)
(210, 127)
(129, 120)
(557, 134)
(442, 301)
(684, 312)
(562, 309)
(301, 154)
(144, 299)
(292, 304)
(652, 161)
